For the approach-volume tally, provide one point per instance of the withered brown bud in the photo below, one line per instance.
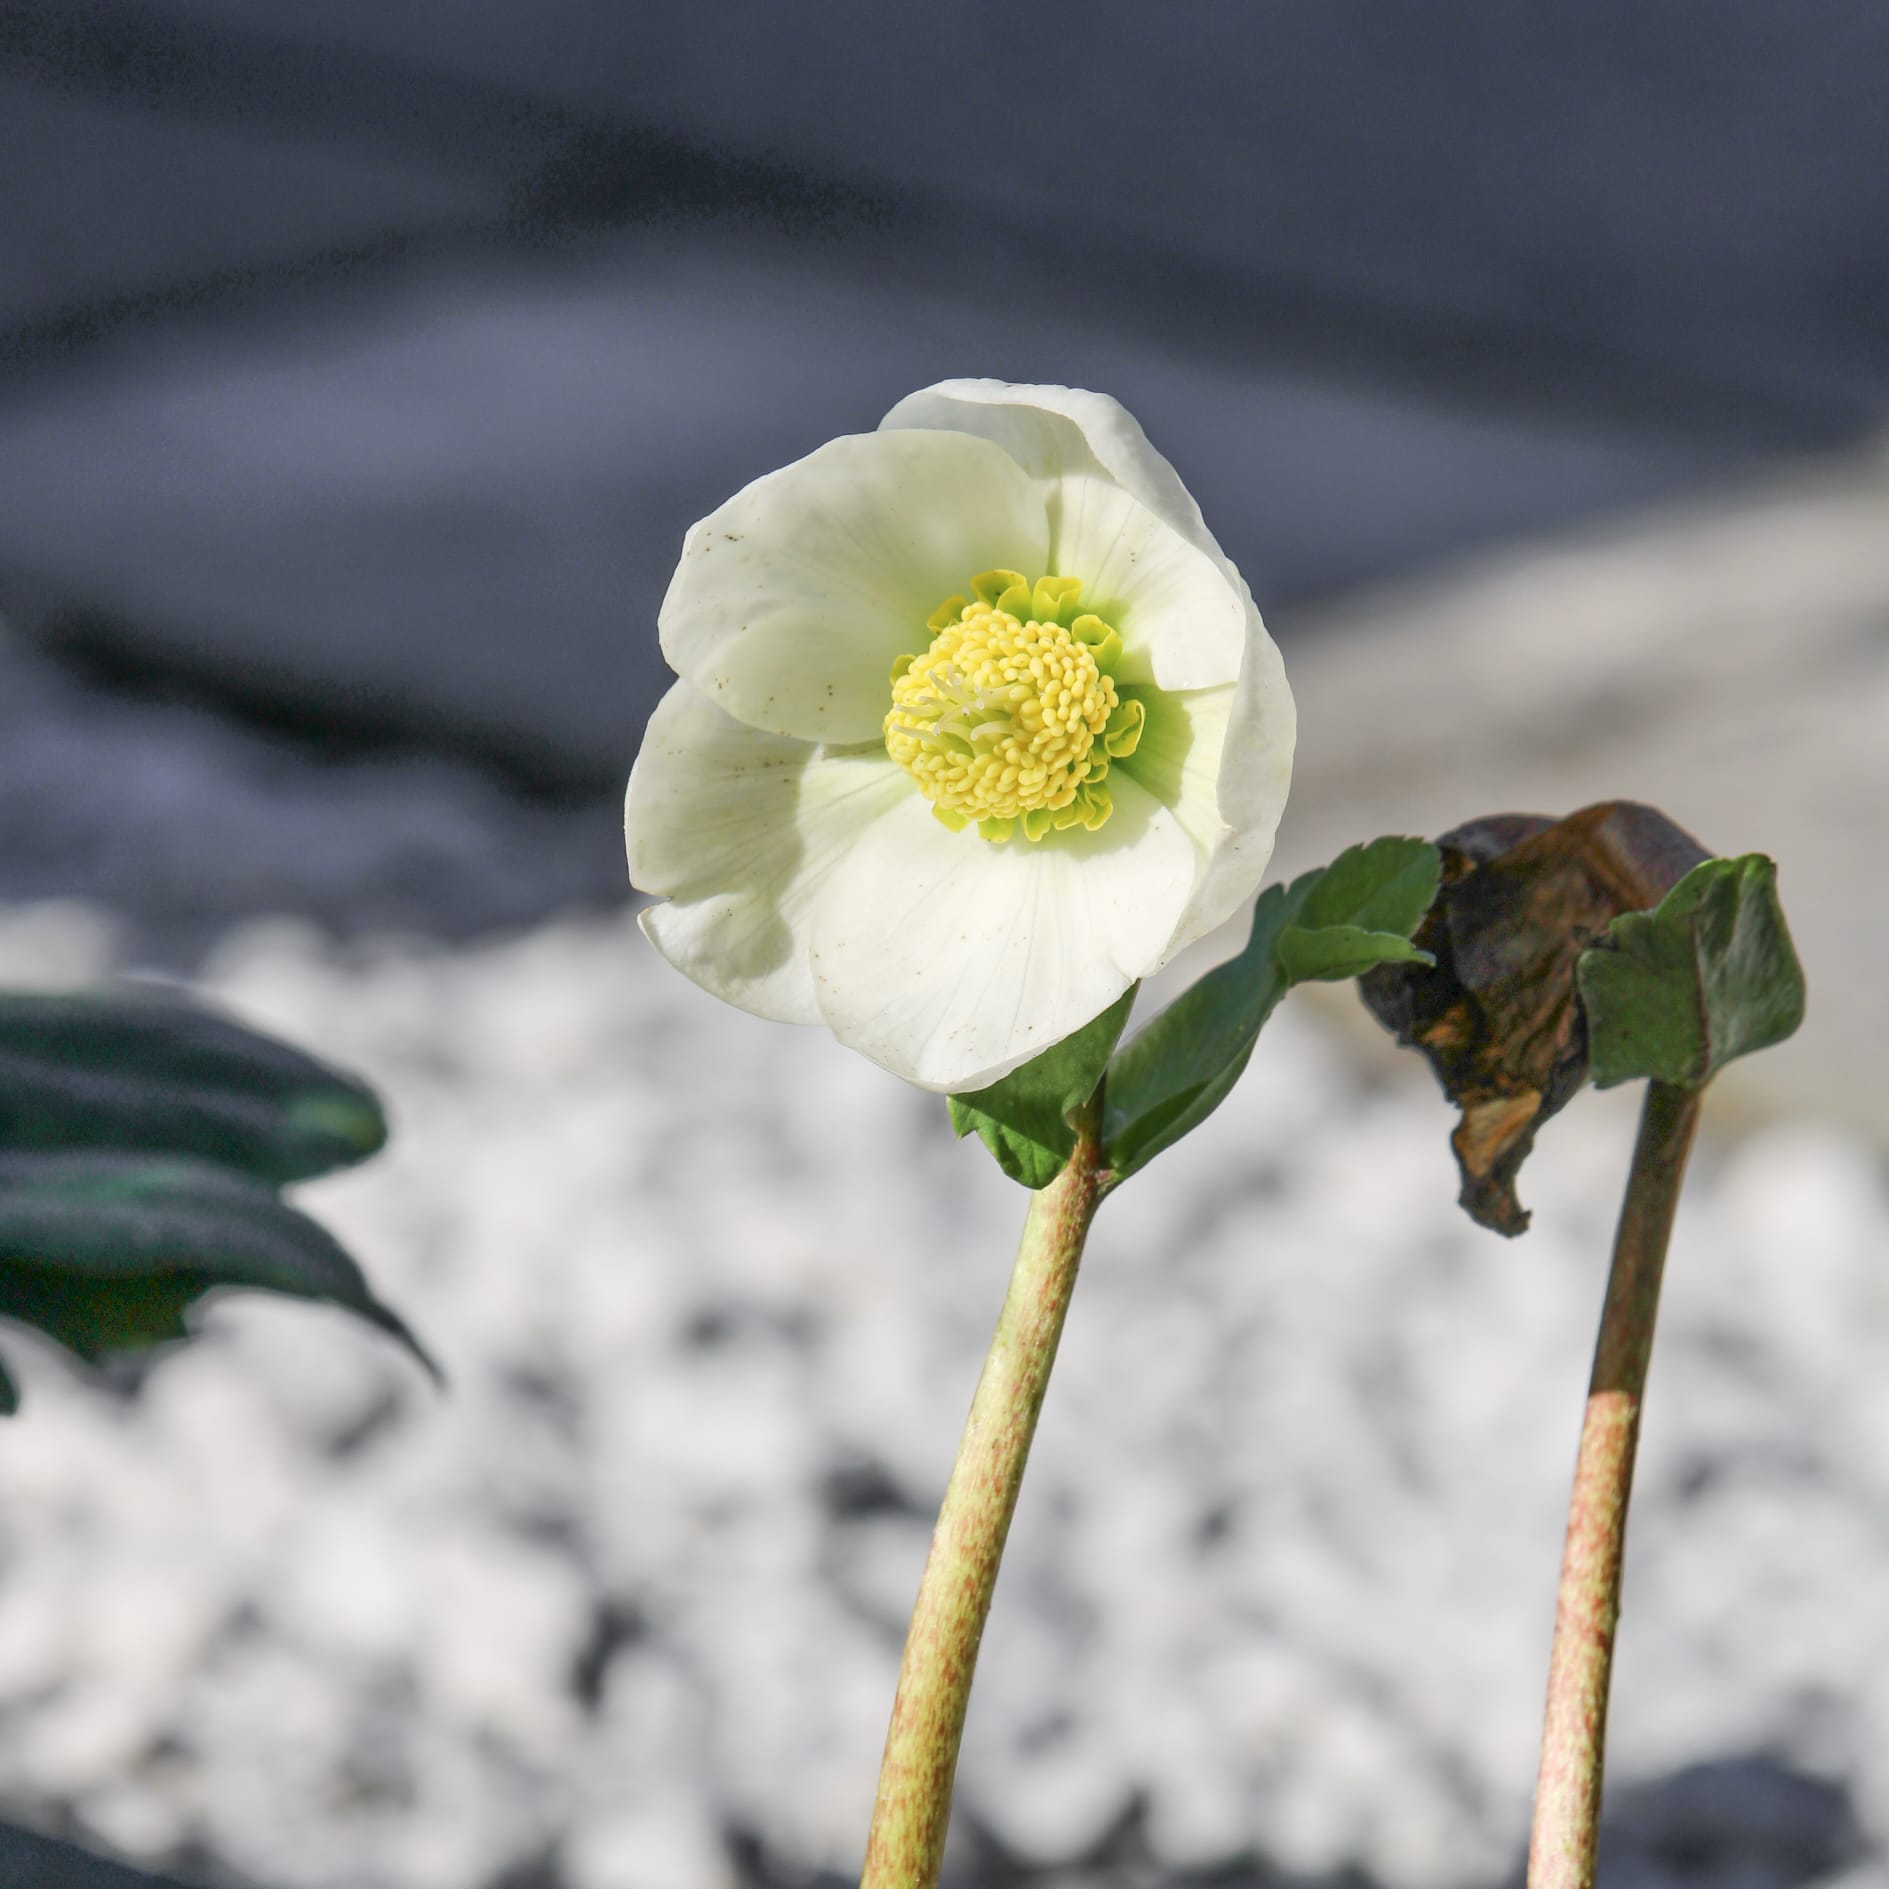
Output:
(1499, 1016)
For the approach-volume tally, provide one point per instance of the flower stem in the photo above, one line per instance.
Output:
(1565, 1840)
(906, 1846)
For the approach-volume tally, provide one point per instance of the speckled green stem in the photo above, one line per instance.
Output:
(906, 1845)
(1563, 1845)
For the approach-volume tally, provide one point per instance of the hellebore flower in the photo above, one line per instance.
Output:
(977, 726)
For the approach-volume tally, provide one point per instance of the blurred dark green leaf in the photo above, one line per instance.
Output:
(1024, 1120)
(1709, 974)
(158, 1073)
(106, 1251)
(1336, 922)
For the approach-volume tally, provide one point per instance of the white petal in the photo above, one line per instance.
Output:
(792, 599)
(1222, 760)
(950, 960)
(1122, 520)
(742, 829)
(1050, 431)
(1182, 617)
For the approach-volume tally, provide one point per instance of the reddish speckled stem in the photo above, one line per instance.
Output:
(906, 1846)
(1562, 1848)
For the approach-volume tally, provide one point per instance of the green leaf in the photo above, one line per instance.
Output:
(161, 1074)
(1361, 912)
(106, 1251)
(1386, 885)
(1335, 952)
(1168, 1078)
(1709, 974)
(1336, 922)
(1024, 1120)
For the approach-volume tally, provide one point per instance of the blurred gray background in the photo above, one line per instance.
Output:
(365, 365)
(360, 370)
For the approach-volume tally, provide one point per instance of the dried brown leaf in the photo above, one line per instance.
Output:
(1498, 1016)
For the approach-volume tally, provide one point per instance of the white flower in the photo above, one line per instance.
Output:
(977, 725)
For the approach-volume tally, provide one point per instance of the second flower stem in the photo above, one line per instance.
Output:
(1565, 1841)
(905, 1849)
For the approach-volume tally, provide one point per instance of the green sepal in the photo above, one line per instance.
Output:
(158, 1073)
(1335, 922)
(1025, 1119)
(105, 1252)
(1709, 974)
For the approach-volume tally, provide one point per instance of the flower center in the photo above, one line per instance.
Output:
(1011, 717)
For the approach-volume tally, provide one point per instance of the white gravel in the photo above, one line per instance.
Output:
(627, 1603)
(187, 822)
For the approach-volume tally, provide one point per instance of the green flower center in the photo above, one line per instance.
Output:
(1011, 718)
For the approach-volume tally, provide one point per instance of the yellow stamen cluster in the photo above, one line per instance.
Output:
(1011, 718)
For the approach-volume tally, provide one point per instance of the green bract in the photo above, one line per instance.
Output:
(1709, 974)
(1335, 922)
(1026, 1119)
